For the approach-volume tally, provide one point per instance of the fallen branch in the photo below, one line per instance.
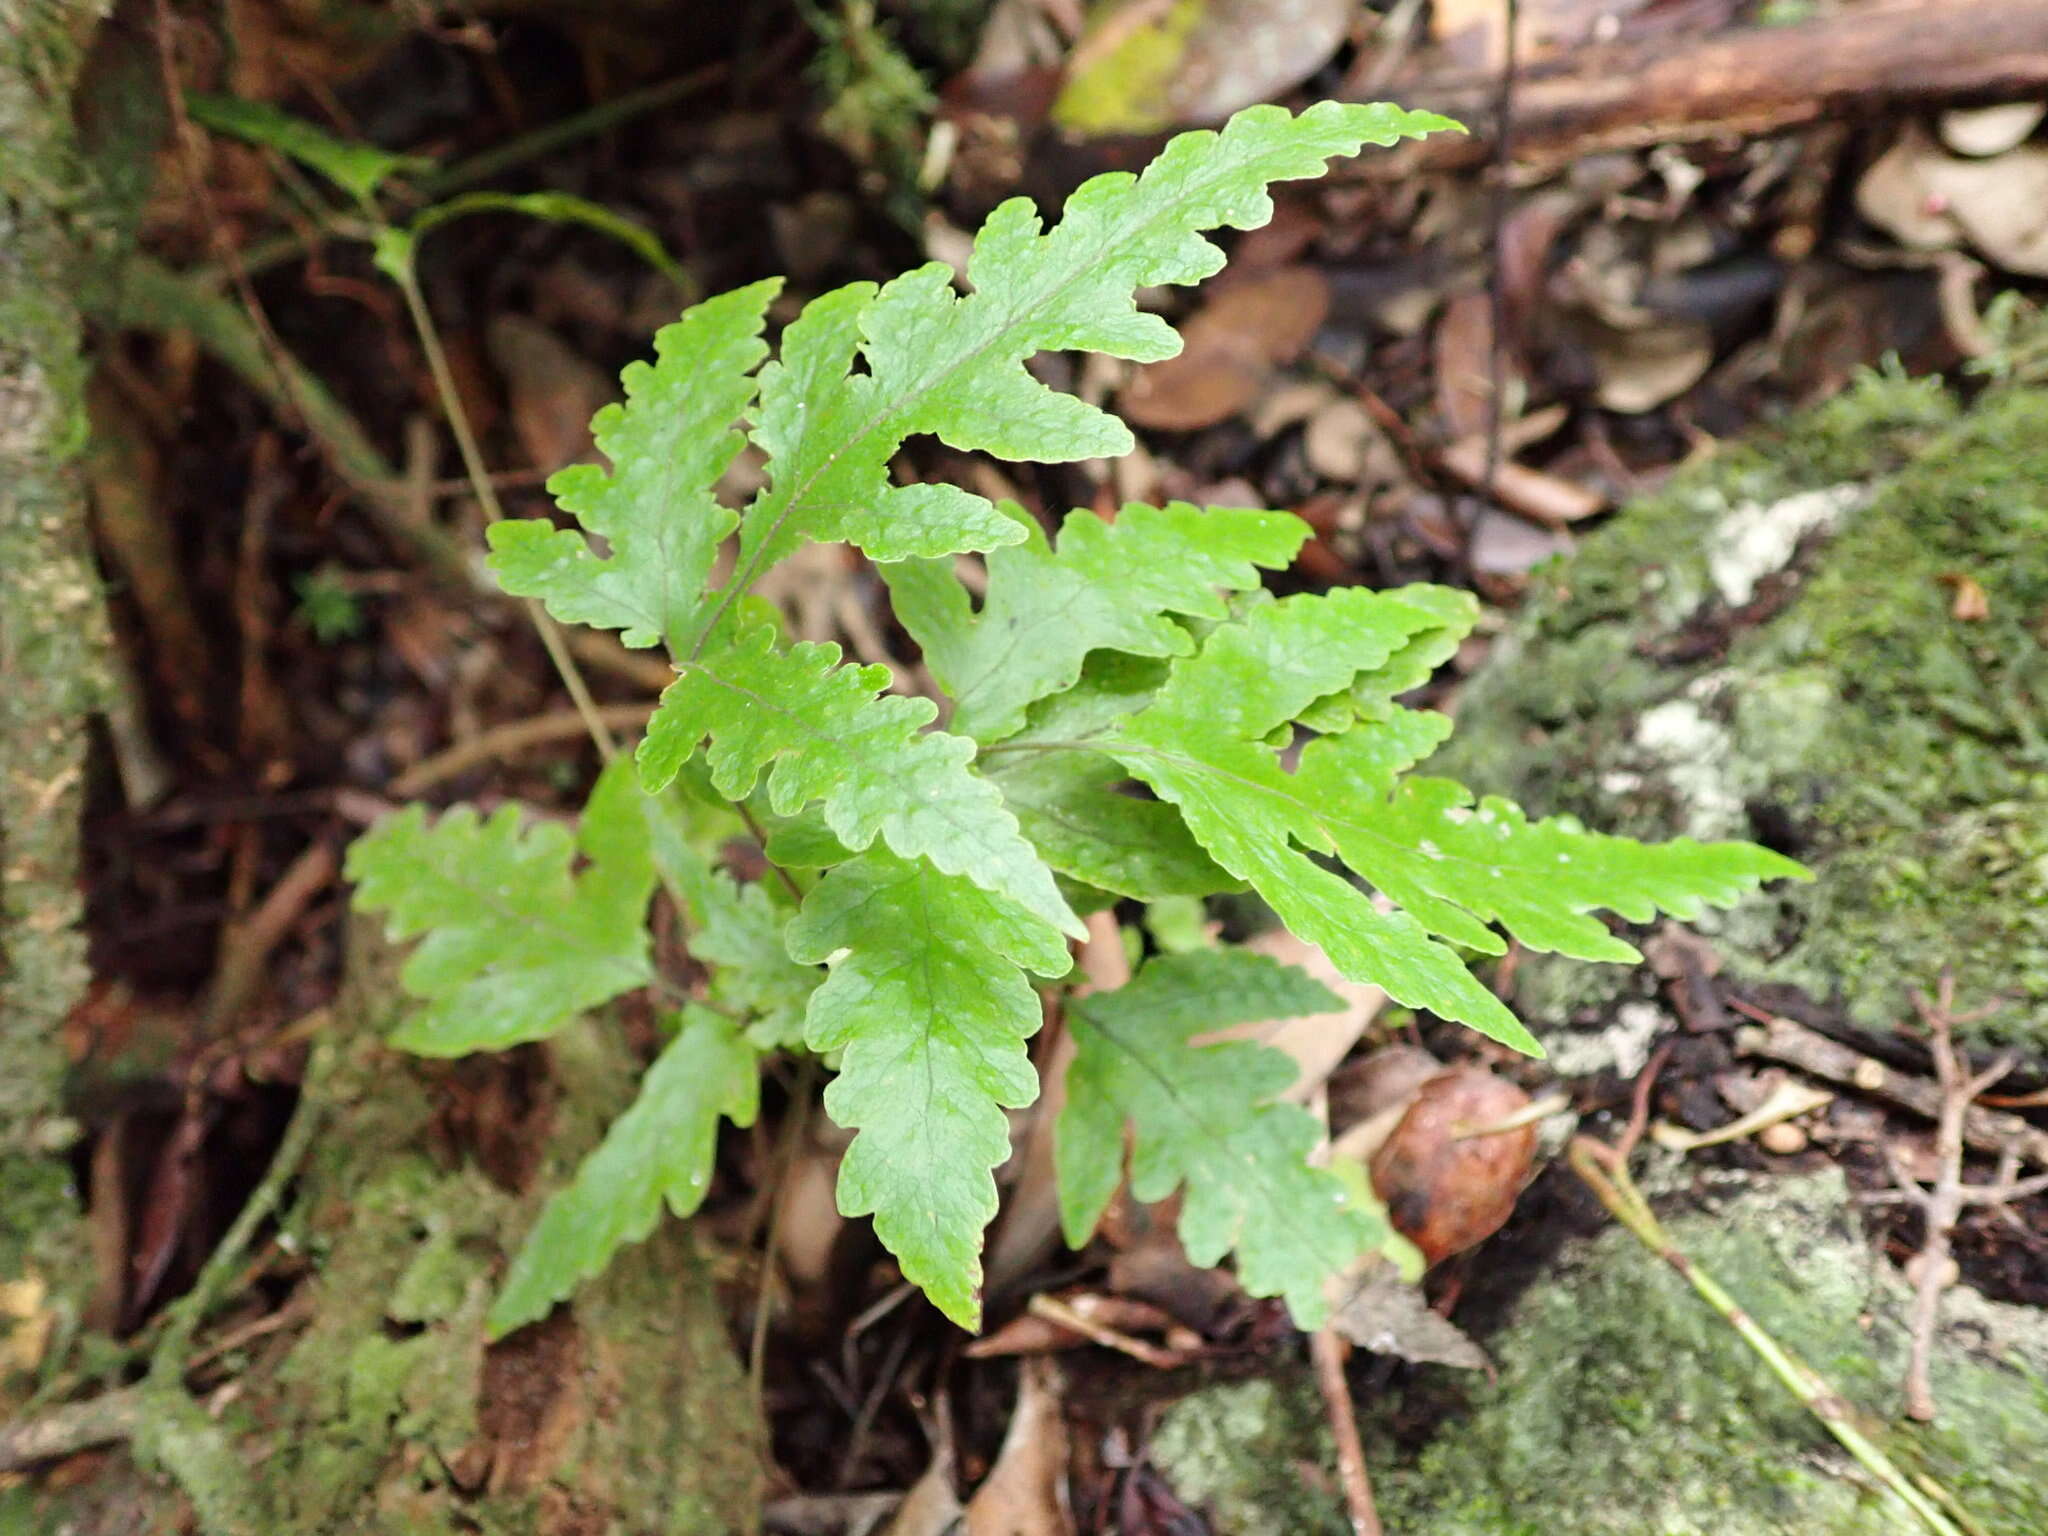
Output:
(1942, 1203)
(1754, 80)
(1327, 1349)
(1795, 1045)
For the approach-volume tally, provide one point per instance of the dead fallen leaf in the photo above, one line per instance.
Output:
(1145, 65)
(1464, 364)
(1024, 1493)
(1980, 132)
(931, 1508)
(1928, 199)
(1544, 498)
(1445, 1189)
(1386, 1315)
(1638, 368)
(553, 389)
(1232, 345)
(1971, 604)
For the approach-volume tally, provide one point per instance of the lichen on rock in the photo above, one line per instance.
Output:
(1833, 639)
(1625, 1406)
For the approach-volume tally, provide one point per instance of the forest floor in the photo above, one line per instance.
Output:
(1459, 364)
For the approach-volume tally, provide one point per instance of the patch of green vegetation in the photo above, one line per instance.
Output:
(1888, 718)
(1625, 1406)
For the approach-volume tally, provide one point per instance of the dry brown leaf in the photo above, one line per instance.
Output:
(1144, 65)
(1980, 132)
(1024, 1493)
(553, 390)
(1637, 369)
(931, 1508)
(1232, 345)
(1444, 1188)
(1464, 364)
(1928, 199)
(1536, 494)
(1382, 1313)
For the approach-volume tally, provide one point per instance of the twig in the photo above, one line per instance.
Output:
(1942, 1205)
(1608, 1177)
(506, 740)
(183, 1316)
(1496, 282)
(1984, 1130)
(75, 1427)
(1327, 1350)
(1095, 1331)
(544, 623)
(795, 1124)
(246, 944)
(1639, 1104)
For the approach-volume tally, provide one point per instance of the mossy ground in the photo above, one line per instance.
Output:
(1674, 677)
(1625, 1407)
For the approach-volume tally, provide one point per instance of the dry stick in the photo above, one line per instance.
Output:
(1608, 1177)
(514, 736)
(119, 1415)
(1053, 1310)
(1942, 1205)
(1327, 1350)
(1795, 1045)
(487, 496)
(1496, 286)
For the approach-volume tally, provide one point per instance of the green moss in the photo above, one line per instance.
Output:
(1238, 1453)
(1624, 1406)
(1903, 749)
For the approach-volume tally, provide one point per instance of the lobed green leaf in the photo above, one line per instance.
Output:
(656, 511)
(929, 1007)
(661, 1149)
(1109, 586)
(1203, 1121)
(820, 732)
(515, 944)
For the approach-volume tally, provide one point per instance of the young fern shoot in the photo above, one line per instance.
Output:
(927, 883)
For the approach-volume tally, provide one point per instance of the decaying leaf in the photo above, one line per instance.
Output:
(1385, 1314)
(1024, 1493)
(1446, 1189)
(1145, 65)
(1234, 342)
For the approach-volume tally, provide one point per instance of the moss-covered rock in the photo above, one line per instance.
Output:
(1833, 639)
(1626, 1407)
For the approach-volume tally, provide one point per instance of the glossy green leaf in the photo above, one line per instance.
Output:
(1205, 744)
(358, 169)
(933, 360)
(515, 944)
(1109, 586)
(819, 732)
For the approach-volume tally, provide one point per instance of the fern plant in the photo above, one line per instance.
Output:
(1124, 703)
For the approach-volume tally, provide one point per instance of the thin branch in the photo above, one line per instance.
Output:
(1326, 1349)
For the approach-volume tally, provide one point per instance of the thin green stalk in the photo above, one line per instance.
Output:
(487, 497)
(543, 140)
(1609, 1180)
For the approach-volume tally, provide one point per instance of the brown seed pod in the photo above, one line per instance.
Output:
(1445, 1189)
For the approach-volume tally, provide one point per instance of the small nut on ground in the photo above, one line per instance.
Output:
(1784, 1138)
